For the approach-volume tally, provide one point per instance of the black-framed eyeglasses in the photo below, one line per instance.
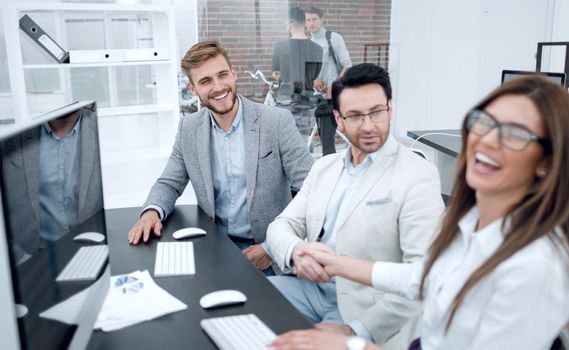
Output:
(512, 135)
(379, 115)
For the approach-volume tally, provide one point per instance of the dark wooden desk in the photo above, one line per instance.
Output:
(219, 265)
(36, 287)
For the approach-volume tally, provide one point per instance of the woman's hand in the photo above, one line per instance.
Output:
(330, 262)
(309, 340)
(313, 339)
(353, 269)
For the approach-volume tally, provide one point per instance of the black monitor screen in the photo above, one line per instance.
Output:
(558, 78)
(52, 192)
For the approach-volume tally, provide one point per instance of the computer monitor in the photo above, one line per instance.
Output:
(508, 75)
(51, 191)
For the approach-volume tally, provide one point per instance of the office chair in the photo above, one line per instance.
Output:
(557, 344)
(446, 198)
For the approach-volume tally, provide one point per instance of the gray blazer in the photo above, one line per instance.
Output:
(20, 180)
(276, 160)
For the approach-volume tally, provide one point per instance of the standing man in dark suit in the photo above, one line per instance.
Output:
(242, 158)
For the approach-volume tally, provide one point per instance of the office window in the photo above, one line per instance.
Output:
(250, 36)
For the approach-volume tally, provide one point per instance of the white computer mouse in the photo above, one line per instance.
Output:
(21, 310)
(188, 232)
(89, 237)
(222, 298)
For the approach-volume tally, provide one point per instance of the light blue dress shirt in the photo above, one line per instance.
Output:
(229, 177)
(348, 182)
(58, 182)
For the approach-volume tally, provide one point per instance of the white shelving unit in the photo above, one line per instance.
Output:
(138, 101)
(61, 17)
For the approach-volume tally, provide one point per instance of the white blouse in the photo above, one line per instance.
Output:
(522, 304)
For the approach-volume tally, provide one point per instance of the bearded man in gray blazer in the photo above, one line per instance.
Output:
(377, 201)
(241, 157)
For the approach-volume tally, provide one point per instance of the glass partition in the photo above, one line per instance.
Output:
(281, 40)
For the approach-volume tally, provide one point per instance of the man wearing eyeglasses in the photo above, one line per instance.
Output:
(377, 201)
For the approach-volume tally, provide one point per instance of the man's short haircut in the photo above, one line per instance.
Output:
(359, 75)
(316, 10)
(297, 16)
(200, 53)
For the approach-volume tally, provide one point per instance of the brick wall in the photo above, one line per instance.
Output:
(248, 29)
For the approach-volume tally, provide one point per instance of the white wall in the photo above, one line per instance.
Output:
(450, 53)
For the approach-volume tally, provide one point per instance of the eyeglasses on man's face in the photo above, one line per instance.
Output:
(378, 115)
(512, 135)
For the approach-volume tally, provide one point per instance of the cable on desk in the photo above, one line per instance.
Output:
(431, 134)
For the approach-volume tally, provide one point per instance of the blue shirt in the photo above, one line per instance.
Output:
(348, 182)
(229, 177)
(58, 182)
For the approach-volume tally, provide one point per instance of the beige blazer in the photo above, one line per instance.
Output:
(391, 217)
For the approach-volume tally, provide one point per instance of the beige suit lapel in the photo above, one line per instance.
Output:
(380, 165)
(324, 189)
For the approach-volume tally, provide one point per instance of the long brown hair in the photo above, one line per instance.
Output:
(543, 208)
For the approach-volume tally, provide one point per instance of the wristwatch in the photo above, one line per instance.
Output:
(355, 343)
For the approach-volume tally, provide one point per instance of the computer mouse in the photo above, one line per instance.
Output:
(89, 237)
(21, 310)
(188, 232)
(222, 298)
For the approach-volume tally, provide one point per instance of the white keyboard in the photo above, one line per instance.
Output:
(85, 264)
(174, 259)
(240, 332)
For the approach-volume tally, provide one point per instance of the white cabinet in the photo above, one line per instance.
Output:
(41, 84)
(124, 56)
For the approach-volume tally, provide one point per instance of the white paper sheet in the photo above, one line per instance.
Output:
(135, 298)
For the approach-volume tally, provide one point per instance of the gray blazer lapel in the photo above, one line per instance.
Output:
(203, 140)
(87, 154)
(251, 147)
(380, 165)
(31, 149)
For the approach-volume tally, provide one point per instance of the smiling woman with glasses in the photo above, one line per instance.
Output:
(497, 274)
(514, 136)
